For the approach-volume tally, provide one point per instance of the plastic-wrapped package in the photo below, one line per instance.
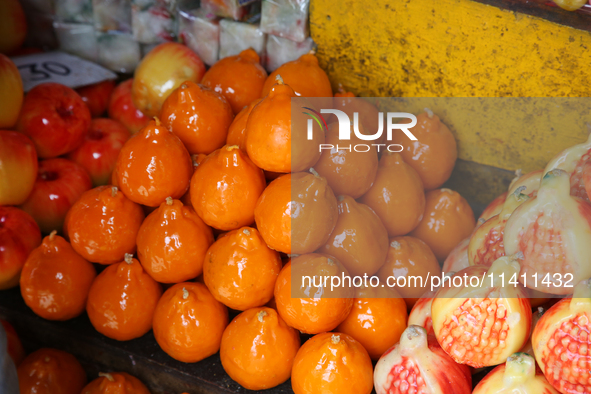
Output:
(237, 36)
(79, 11)
(118, 52)
(281, 50)
(235, 9)
(286, 18)
(77, 38)
(112, 15)
(200, 30)
(152, 25)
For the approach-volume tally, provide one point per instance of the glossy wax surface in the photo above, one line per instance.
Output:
(153, 164)
(115, 383)
(240, 270)
(199, 116)
(189, 323)
(172, 243)
(55, 280)
(273, 214)
(60, 183)
(103, 224)
(122, 109)
(55, 117)
(122, 300)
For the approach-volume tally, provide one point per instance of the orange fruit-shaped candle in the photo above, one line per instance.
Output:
(397, 195)
(237, 130)
(240, 270)
(434, 153)
(409, 258)
(307, 305)
(122, 300)
(273, 214)
(199, 116)
(481, 322)
(417, 364)
(258, 349)
(197, 159)
(115, 383)
(51, 371)
(152, 165)
(315, 212)
(369, 115)
(348, 172)
(377, 319)
(332, 363)
(359, 240)
(561, 341)
(518, 375)
(268, 130)
(448, 219)
(55, 280)
(103, 224)
(239, 78)
(172, 243)
(225, 188)
(486, 243)
(305, 77)
(189, 323)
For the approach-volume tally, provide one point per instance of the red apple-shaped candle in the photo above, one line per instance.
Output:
(484, 319)
(55, 117)
(18, 167)
(19, 235)
(60, 182)
(561, 342)
(417, 364)
(100, 149)
(553, 231)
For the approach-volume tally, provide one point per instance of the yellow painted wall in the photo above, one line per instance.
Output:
(460, 48)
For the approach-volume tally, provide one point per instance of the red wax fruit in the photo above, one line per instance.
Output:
(561, 342)
(55, 117)
(60, 182)
(19, 235)
(100, 149)
(121, 108)
(96, 96)
(418, 364)
(480, 322)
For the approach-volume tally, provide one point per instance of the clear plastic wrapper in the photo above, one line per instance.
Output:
(281, 50)
(77, 38)
(200, 30)
(237, 36)
(118, 52)
(79, 11)
(152, 25)
(235, 9)
(112, 15)
(286, 18)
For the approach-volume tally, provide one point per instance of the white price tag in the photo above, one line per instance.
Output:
(61, 68)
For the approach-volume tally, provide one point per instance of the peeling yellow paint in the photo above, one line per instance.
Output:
(460, 48)
(448, 48)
